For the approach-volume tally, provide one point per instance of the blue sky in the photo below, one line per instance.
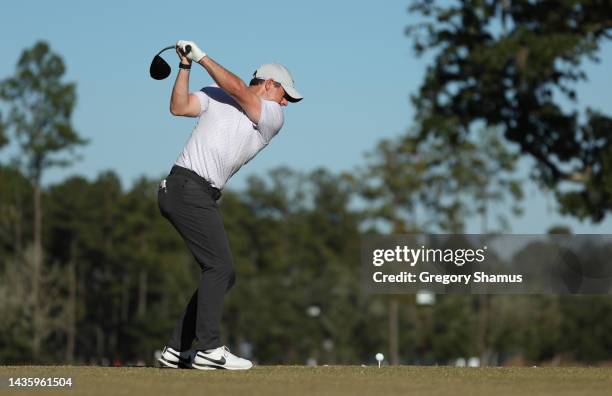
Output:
(351, 61)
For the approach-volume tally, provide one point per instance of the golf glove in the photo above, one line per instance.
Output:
(195, 54)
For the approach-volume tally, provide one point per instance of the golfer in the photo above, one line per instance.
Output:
(234, 123)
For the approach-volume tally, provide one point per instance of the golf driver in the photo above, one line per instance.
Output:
(160, 69)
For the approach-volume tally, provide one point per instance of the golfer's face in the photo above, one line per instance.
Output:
(278, 94)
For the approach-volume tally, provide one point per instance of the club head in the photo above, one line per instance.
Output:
(159, 69)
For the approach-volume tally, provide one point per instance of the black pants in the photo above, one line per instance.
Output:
(189, 203)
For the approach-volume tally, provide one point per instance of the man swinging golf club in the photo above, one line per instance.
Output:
(235, 122)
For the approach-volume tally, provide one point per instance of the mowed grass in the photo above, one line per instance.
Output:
(332, 380)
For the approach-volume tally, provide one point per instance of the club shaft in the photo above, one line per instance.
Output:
(187, 49)
(166, 49)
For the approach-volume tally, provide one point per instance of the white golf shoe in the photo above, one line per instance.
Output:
(172, 358)
(219, 358)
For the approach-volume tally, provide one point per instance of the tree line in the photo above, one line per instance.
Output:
(116, 275)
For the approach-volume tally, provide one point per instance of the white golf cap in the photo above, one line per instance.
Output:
(280, 74)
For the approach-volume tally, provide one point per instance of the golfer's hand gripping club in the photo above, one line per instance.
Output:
(191, 50)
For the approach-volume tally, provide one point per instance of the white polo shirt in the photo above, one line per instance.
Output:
(224, 138)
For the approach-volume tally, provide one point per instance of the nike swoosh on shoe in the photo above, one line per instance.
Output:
(220, 362)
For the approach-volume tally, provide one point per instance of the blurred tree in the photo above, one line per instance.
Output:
(419, 183)
(506, 64)
(451, 334)
(72, 209)
(3, 138)
(17, 308)
(141, 321)
(15, 211)
(585, 326)
(295, 241)
(495, 184)
(132, 271)
(40, 113)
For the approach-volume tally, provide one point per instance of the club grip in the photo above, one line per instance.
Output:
(187, 49)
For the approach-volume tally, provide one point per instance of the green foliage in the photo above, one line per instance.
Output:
(131, 266)
(15, 212)
(17, 307)
(40, 108)
(586, 334)
(294, 242)
(507, 64)
(453, 332)
(419, 183)
(3, 138)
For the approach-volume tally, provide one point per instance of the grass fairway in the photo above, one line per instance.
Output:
(333, 380)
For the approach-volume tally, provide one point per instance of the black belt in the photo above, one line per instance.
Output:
(215, 193)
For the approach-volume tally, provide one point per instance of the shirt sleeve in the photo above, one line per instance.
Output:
(204, 99)
(271, 119)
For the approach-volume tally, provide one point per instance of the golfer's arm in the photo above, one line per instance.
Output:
(181, 102)
(235, 87)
